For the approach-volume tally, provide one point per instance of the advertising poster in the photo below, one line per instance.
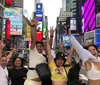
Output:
(28, 35)
(15, 16)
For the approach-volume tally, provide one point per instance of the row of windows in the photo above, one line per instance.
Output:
(66, 15)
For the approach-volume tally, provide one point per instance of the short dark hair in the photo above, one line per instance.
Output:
(60, 55)
(39, 42)
(22, 60)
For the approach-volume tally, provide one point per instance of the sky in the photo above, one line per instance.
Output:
(51, 8)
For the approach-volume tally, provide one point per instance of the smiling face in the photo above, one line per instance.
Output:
(39, 48)
(3, 61)
(59, 62)
(93, 50)
(17, 62)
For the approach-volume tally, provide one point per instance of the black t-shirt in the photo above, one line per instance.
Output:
(17, 75)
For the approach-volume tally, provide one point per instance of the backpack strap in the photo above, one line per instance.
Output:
(45, 57)
(31, 68)
(65, 70)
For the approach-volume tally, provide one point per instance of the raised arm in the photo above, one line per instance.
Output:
(33, 23)
(84, 55)
(51, 36)
(69, 58)
(61, 48)
(1, 48)
(49, 50)
(10, 54)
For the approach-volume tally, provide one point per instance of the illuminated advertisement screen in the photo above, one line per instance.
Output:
(39, 6)
(73, 24)
(88, 15)
(15, 16)
(66, 40)
(39, 36)
(39, 27)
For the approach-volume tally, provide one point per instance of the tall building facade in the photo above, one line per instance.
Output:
(1, 16)
(69, 5)
(19, 3)
(63, 5)
(97, 6)
(74, 7)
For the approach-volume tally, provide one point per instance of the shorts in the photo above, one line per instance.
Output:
(31, 82)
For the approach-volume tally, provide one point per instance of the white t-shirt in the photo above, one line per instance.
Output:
(3, 76)
(52, 53)
(34, 59)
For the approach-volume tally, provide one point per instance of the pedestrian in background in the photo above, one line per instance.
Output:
(3, 63)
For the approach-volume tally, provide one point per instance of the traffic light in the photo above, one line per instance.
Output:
(8, 2)
(7, 33)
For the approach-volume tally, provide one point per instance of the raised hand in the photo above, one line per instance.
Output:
(14, 49)
(2, 45)
(61, 44)
(51, 31)
(33, 22)
(47, 37)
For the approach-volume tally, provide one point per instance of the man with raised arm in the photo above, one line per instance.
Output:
(35, 57)
(3, 62)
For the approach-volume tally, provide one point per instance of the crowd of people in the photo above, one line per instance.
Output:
(64, 69)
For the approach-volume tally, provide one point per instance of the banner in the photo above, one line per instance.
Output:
(28, 34)
(15, 16)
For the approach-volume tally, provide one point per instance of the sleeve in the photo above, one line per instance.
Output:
(84, 55)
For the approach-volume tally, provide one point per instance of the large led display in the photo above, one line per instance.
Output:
(88, 15)
(15, 16)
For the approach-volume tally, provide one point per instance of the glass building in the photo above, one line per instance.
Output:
(69, 5)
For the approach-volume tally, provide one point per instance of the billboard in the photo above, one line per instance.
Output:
(39, 36)
(65, 39)
(28, 35)
(73, 24)
(15, 16)
(88, 15)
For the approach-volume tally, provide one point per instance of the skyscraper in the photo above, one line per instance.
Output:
(63, 5)
(69, 5)
(97, 6)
